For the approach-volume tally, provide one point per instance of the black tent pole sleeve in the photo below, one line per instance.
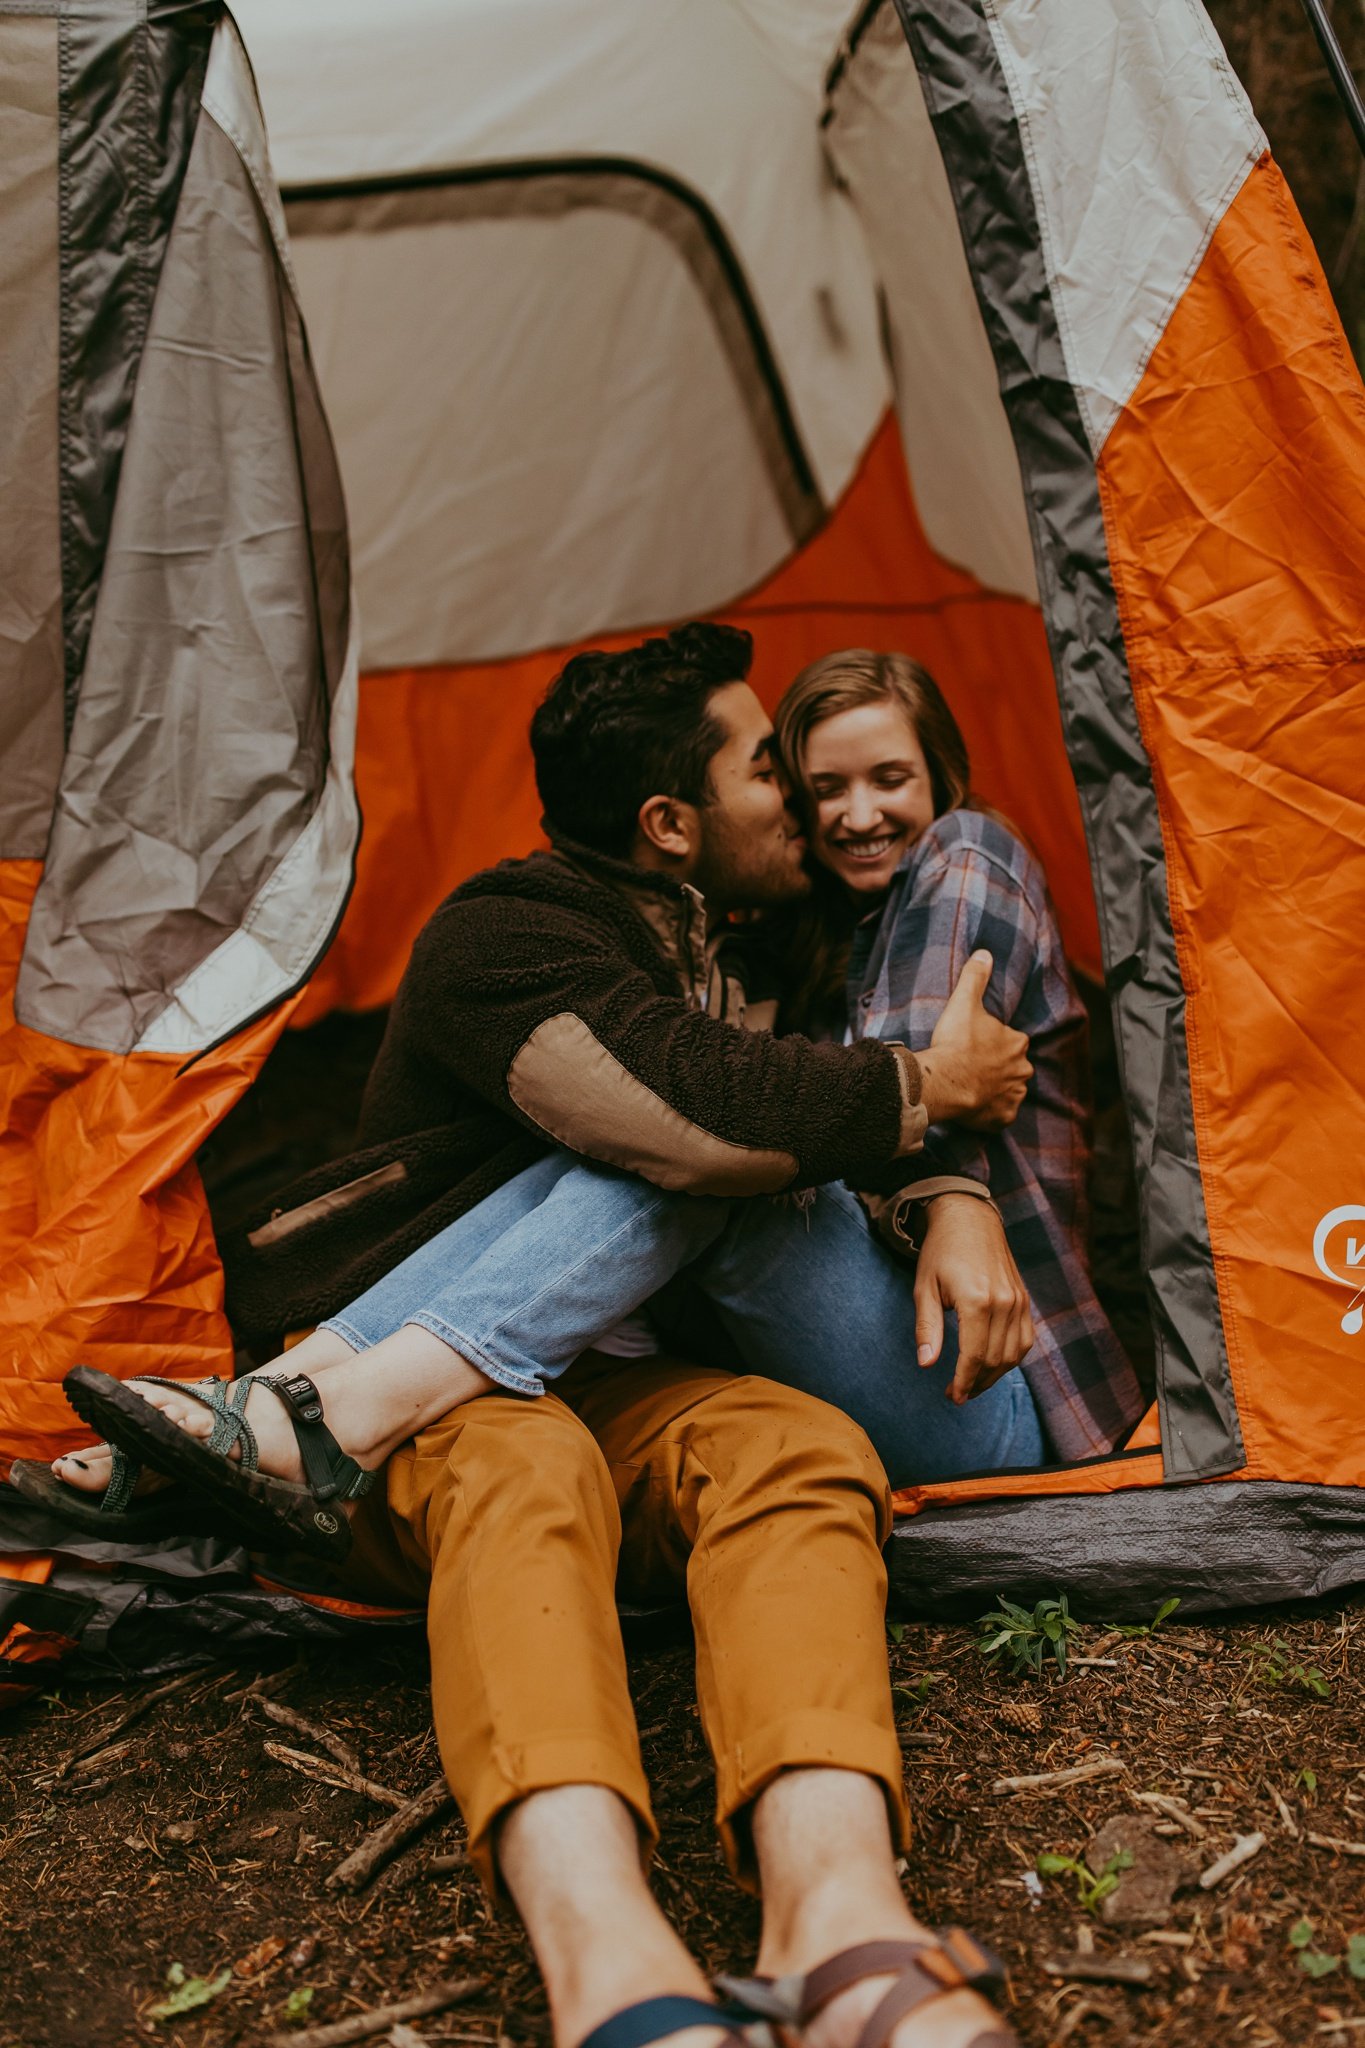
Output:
(1335, 58)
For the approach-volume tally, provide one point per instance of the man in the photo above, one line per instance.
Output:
(578, 1001)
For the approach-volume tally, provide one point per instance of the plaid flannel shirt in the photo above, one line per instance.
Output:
(968, 884)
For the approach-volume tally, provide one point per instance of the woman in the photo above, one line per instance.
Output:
(911, 879)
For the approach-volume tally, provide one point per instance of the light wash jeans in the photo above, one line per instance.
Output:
(554, 1260)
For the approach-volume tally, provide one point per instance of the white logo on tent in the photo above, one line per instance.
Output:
(1351, 1255)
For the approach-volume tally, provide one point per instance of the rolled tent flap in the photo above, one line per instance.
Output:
(177, 674)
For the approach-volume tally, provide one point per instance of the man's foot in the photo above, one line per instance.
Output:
(955, 2019)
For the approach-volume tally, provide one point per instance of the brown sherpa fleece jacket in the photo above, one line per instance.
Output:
(557, 1000)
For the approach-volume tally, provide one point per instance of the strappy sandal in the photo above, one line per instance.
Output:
(653, 2019)
(111, 1514)
(924, 1970)
(263, 1512)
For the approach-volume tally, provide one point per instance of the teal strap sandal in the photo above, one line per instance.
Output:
(263, 1512)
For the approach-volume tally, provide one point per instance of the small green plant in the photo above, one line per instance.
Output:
(1308, 1779)
(1092, 1887)
(297, 2004)
(917, 1691)
(1024, 1639)
(1316, 1962)
(1274, 1664)
(1149, 1628)
(896, 1631)
(188, 1993)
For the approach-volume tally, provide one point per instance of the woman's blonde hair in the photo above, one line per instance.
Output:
(817, 940)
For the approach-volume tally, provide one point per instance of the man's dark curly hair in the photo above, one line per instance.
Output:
(616, 729)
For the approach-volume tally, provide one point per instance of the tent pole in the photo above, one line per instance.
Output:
(1335, 58)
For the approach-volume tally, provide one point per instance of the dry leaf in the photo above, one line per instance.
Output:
(259, 1958)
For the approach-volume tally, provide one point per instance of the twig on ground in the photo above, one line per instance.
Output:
(1242, 1851)
(1074, 1776)
(94, 1743)
(275, 1710)
(1291, 1826)
(440, 1865)
(378, 1848)
(1133, 1970)
(1343, 1848)
(361, 2025)
(332, 1774)
(1173, 1810)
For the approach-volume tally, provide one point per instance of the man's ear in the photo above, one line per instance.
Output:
(667, 829)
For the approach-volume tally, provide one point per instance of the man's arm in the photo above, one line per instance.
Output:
(543, 1013)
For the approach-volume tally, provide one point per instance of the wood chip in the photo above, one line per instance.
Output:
(1101, 1768)
(1342, 1848)
(1132, 1970)
(1168, 1938)
(333, 1774)
(380, 1847)
(1242, 1851)
(275, 1710)
(361, 2025)
(1174, 1810)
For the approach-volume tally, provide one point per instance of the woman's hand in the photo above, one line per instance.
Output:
(966, 1264)
(976, 1069)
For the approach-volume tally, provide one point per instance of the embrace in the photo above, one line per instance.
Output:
(772, 1061)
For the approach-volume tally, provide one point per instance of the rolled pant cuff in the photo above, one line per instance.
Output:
(512, 1774)
(508, 1377)
(817, 1738)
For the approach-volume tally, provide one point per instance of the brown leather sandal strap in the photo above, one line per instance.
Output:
(913, 1988)
(922, 1959)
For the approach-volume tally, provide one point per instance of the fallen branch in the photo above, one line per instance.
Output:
(1101, 1768)
(1335, 1842)
(379, 1848)
(1131, 1970)
(332, 1774)
(94, 1743)
(1173, 1810)
(441, 1866)
(1242, 1851)
(275, 1710)
(361, 2025)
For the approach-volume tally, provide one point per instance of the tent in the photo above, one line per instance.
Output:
(983, 328)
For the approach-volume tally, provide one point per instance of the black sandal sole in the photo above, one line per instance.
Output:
(40, 1487)
(264, 1513)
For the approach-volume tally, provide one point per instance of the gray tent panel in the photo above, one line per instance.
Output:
(203, 734)
(973, 115)
(1237, 1543)
(31, 728)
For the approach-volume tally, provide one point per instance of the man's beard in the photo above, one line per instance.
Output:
(733, 873)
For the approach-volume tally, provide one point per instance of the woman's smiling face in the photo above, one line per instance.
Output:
(870, 793)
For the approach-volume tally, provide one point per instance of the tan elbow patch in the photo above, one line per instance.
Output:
(580, 1095)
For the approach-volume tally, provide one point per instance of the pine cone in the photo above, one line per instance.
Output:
(1020, 1715)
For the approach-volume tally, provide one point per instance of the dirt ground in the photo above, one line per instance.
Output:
(129, 1847)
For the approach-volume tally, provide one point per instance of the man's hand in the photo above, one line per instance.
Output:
(966, 1264)
(976, 1069)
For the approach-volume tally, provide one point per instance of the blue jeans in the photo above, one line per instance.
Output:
(555, 1259)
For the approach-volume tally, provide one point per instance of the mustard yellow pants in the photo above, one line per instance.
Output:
(520, 1522)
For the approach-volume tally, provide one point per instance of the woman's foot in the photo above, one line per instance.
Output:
(374, 1401)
